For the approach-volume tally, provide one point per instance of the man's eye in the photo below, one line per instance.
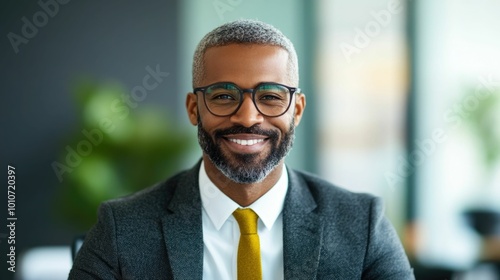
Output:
(223, 97)
(270, 97)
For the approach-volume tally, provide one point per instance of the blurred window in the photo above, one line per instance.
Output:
(457, 124)
(362, 67)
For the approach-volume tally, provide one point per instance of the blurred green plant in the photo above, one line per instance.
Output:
(484, 121)
(139, 147)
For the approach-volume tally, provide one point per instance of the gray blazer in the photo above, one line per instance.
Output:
(328, 233)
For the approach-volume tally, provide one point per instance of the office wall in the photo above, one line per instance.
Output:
(102, 40)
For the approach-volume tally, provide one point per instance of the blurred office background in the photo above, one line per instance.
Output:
(403, 101)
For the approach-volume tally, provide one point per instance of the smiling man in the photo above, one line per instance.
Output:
(240, 213)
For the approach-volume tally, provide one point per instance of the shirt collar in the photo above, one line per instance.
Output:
(220, 207)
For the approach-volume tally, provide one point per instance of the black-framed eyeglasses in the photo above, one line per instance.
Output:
(225, 98)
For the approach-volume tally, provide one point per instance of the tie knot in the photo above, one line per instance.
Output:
(247, 220)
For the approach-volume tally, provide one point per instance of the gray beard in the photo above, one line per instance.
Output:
(245, 168)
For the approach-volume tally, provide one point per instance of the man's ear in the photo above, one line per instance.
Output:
(300, 105)
(192, 108)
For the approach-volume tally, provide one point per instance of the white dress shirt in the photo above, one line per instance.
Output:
(221, 233)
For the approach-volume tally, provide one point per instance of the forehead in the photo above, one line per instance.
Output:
(245, 65)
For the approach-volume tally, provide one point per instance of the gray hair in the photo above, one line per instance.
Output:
(245, 31)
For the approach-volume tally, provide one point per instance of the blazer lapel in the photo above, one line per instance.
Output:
(182, 228)
(302, 231)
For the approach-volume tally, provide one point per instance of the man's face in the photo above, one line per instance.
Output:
(247, 145)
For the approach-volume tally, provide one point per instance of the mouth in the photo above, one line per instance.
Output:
(243, 142)
(246, 143)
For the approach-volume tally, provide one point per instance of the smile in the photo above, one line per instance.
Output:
(248, 142)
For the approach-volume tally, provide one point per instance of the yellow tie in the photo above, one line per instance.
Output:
(249, 264)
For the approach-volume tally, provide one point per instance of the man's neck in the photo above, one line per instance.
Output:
(243, 194)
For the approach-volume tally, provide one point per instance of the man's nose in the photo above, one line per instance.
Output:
(247, 115)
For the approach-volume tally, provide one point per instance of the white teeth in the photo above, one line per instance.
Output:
(246, 142)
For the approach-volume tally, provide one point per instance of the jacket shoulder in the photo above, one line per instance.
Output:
(354, 230)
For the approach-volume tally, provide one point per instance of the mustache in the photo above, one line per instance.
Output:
(256, 129)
